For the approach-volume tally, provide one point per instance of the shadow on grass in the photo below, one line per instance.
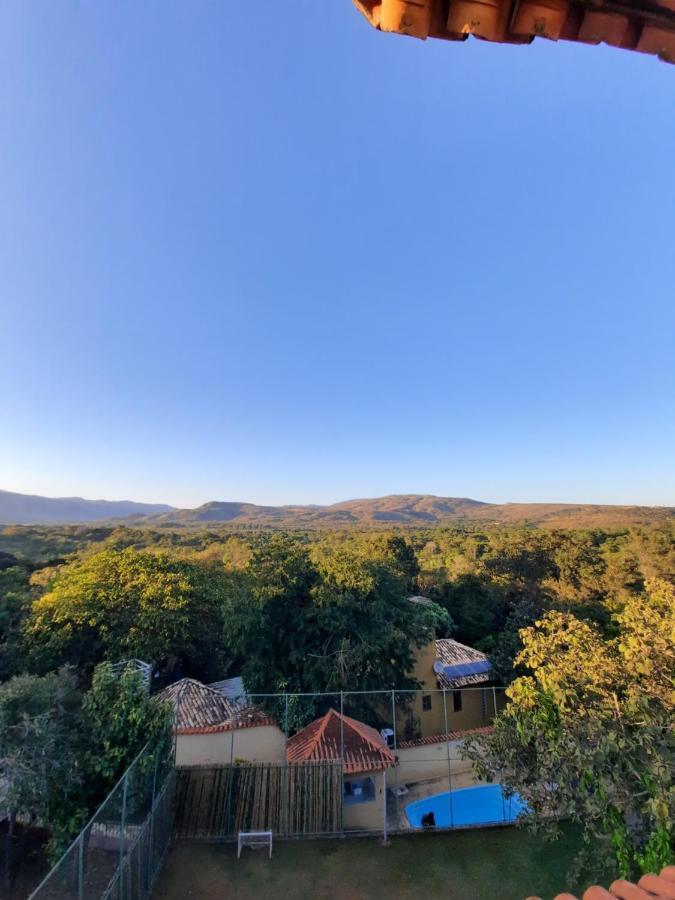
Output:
(504, 863)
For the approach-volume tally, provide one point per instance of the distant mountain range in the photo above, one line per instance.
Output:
(29, 509)
(398, 509)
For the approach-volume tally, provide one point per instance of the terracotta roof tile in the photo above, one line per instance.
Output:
(649, 887)
(199, 709)
(250, 717)
(443, 738)
(648, 27)
(624, 890)
(364, 749)
(665, 887)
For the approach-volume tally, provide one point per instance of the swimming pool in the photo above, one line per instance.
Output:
(481, 805)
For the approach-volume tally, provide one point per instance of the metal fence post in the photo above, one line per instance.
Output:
(286, 788)
(80, 867)
(342, 728)
(494, 699)
(123, 825)
(150, 866)
(385, 840)
(342, 759)
(393, 727)
(447, 753)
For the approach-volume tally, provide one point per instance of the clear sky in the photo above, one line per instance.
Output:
(259, 251)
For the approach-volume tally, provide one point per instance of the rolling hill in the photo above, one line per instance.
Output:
(30, 509)
(414, 510)
(405, 510)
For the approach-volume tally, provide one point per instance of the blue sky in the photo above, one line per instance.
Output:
(273, 255)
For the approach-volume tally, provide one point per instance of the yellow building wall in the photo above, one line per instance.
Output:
(431, 761)
(478, 704)
(361, 816)
(263, 743)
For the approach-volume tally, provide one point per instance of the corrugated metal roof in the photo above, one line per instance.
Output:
(451, 654)
(647, 26)
(231, 688)
(336, 736)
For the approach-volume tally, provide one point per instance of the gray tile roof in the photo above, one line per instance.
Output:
(200, 709)
(196, 705)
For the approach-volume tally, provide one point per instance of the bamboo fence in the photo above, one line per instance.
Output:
(290, 799)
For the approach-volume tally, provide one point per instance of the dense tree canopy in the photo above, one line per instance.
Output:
(335, 622)
(116, 605)
(61, 750)
(39, 741)
(589, 731)
(15, 598)
(589, 724)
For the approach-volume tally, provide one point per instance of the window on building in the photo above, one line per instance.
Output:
(359, 790)
(456, 701)
(426, 702)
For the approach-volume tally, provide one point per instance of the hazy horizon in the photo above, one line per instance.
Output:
(221, 499)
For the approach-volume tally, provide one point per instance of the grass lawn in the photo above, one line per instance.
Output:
(488, 864)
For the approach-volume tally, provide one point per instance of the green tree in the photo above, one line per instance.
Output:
(118, 720)
(15, 598)
(40, 751)
(475, 606)
(121, 604)
(588, 733)
(505, 645)
(339, 622)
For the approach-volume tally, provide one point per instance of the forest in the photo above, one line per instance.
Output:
(579, 624)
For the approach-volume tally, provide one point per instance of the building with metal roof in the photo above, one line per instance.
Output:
(458, 665)
(456, 692)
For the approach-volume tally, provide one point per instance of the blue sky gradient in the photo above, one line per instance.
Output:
(270, 254)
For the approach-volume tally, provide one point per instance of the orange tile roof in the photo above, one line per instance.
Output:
(249, 717)
(647, 26)
(649, 887)
(443, 738)
(336, 736)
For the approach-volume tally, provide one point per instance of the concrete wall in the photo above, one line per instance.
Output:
(263, 743)
(366, 815)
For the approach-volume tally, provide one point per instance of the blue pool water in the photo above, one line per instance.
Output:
(482, 805)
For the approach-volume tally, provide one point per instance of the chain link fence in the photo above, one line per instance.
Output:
(120, 851)
(420, 782)
(314, 765)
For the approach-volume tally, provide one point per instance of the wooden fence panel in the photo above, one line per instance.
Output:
(216, 802)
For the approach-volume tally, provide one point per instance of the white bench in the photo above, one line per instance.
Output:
(254, 839)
